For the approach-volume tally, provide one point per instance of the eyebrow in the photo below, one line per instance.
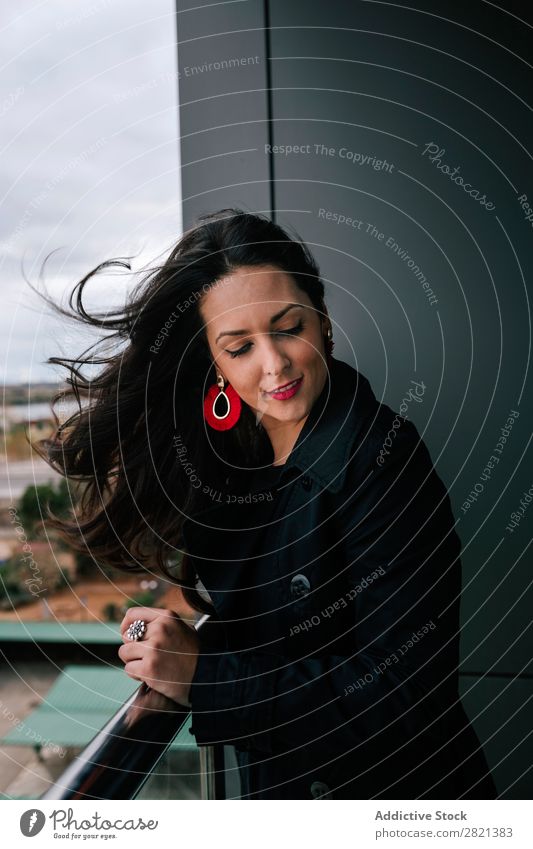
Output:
(273, 320)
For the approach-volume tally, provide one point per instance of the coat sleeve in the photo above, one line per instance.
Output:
(392, 517)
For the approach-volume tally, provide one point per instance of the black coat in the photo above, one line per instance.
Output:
(332, 661)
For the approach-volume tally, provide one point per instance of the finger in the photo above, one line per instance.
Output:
(133, 669)
(148, 614)
(139, 670)
(131, 651)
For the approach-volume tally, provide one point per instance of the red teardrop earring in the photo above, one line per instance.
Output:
(228, 416)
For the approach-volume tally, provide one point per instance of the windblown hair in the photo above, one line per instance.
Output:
(147, 397)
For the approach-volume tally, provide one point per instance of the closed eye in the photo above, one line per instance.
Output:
(291, 331)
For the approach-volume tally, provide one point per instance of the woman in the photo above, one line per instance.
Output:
(313, 526)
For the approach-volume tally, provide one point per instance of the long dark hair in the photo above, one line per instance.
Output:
(145, 404)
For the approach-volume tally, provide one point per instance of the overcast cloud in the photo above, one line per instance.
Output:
(89, 158)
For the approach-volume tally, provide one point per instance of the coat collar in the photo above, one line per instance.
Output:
(321, 451)
(337, 417)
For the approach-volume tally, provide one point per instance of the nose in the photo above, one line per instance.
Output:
(274, 357)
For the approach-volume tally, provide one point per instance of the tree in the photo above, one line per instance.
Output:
(145, 599)
(110, 612)
(35, 499)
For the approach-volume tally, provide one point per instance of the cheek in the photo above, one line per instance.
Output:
(311, 352)
(244, 380)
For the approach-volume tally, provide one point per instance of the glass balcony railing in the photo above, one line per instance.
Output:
(137, 755)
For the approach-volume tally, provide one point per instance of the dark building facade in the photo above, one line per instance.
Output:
(394, 141)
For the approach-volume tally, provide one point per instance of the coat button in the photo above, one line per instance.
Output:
(319, 789)
(300, 586)
(306, 483)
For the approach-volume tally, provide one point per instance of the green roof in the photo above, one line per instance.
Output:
(77, 706)
(60, 632)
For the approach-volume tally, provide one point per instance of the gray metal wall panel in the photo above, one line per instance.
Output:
(500, 709)
(356, 80)
(222, 107)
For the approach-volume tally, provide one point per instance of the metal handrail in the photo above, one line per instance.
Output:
(123, 754)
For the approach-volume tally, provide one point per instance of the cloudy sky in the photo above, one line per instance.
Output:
(89, 159)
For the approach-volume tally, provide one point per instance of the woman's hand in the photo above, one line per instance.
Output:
(166, 657)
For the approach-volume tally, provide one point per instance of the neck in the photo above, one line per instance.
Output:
(283, 437)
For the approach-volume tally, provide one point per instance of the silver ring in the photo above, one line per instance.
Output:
(137, 630)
